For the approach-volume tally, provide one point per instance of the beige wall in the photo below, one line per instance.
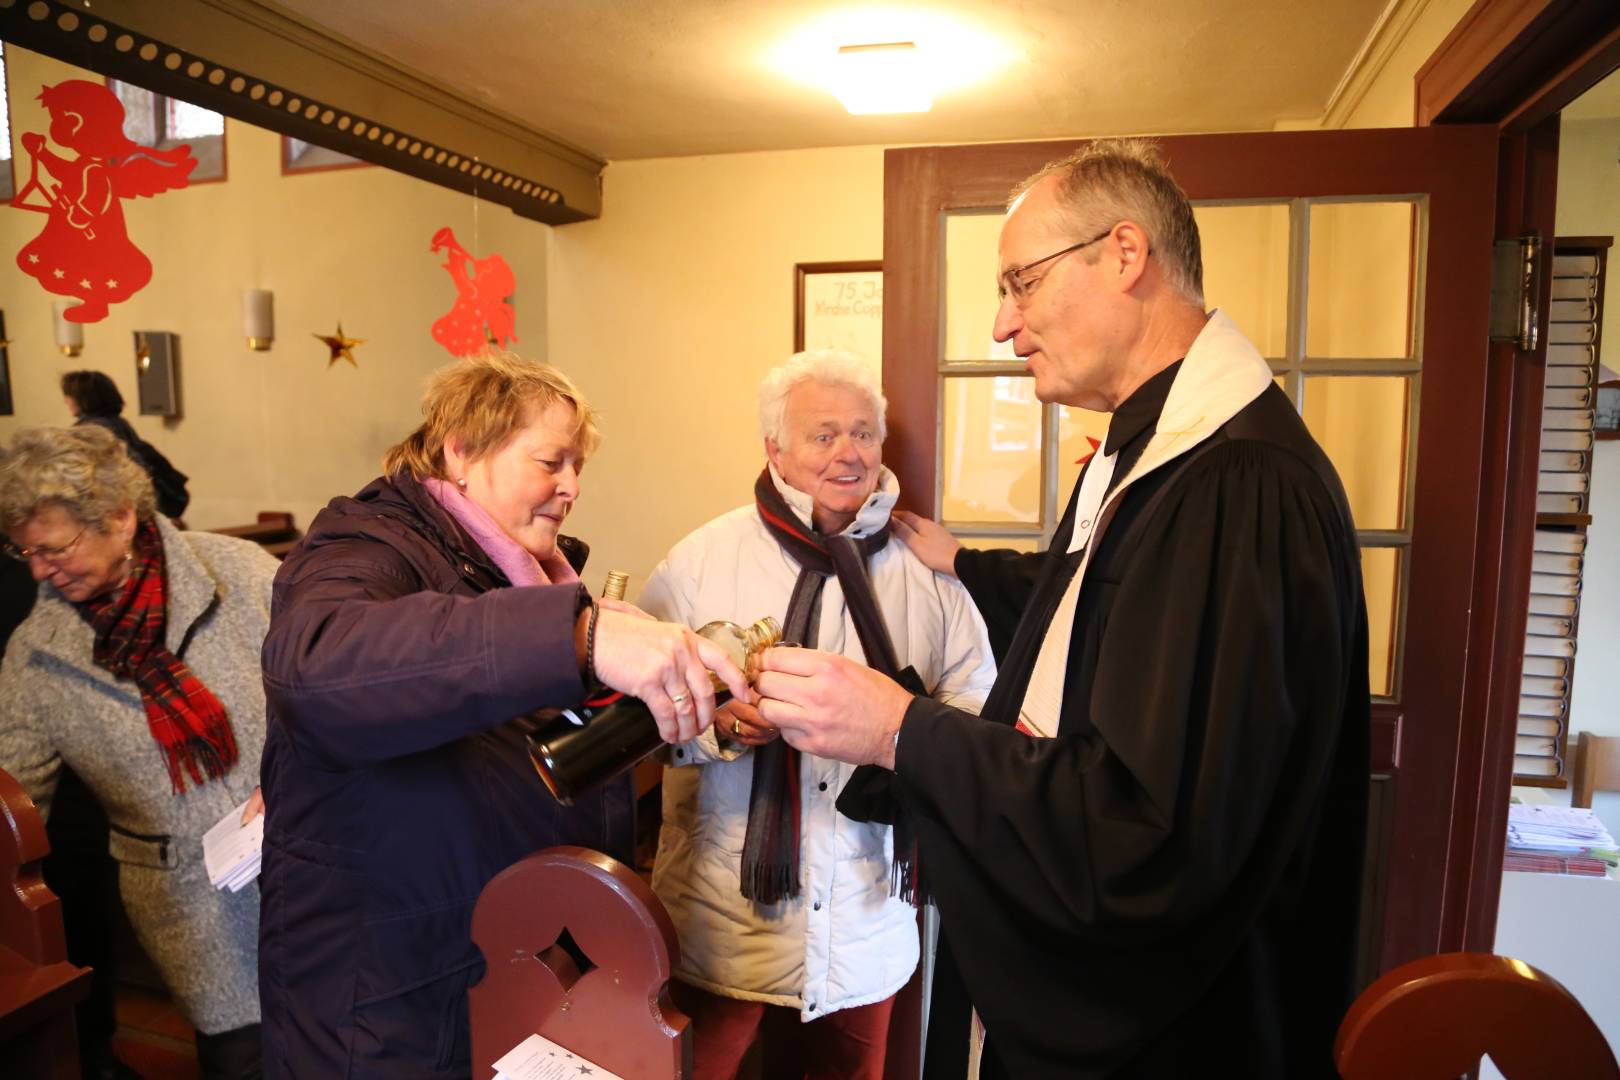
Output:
(1389, 100)
(671, 308)
(278, 430)
(1589, 205)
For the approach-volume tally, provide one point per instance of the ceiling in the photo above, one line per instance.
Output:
(628, 79)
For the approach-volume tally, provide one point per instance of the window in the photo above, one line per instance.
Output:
(8, 181)
(300, 156)
(154, 120)
(1324, 287)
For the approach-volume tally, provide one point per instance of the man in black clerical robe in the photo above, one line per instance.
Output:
(1146, 853)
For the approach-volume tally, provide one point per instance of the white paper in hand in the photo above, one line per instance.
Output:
(231, 850)
(538, 1058)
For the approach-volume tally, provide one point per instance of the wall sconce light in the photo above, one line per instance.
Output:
(259, 318)
(69, 335)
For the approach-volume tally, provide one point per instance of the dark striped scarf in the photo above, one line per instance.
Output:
(770, 858)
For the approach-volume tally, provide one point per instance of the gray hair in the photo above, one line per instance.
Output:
(87, 471)
(830, 367)
(1113, 180)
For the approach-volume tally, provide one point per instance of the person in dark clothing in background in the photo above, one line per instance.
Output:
(1146, 854)
(17, 591)
(93, 398)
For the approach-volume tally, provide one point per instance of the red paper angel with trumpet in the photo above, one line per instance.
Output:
(482, 286)
(84, 251)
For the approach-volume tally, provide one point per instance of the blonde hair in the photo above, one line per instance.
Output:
(483, 401)
(87, 471)
(1113, 180)
(829, 367)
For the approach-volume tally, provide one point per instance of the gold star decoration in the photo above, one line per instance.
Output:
(342, 347)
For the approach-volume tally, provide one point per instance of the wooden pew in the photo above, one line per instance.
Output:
(579, 951)
(38, 986)
(274, 531)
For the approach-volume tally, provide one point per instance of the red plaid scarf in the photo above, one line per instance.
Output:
(186, 719)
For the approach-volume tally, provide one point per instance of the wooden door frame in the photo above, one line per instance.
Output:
(1514, 64)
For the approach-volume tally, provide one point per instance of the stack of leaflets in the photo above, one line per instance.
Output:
(1557, 840)
(231, 850)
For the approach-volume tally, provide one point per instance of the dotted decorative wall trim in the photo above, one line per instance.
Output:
(78, 36)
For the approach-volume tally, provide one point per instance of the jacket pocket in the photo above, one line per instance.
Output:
(157, 851)
(455, 1038)
(402, 1033)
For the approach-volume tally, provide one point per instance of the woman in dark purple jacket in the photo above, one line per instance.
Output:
(410, 627)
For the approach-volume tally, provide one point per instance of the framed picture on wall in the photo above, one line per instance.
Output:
(839, 305)
(1606, 416)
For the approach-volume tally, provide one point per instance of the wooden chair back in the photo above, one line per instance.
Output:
(1434, 1018)
(579, 950)
(1597, 766)
(38, 987)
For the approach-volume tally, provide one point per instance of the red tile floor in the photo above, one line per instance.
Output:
(153, 1038)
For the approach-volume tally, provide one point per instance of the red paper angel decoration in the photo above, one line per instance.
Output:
(482, 286)
(84, 251)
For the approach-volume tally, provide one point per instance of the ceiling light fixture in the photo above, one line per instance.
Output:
(860, 52)
(887, 77)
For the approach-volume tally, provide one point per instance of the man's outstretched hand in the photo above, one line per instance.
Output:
(831, 706)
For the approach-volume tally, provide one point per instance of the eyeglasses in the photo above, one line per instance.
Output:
(49, 554)
(1013, 282)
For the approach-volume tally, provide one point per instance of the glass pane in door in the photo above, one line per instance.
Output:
(1001, 543)
(990, 460)
(1080, 431)
(971, 264)
(1359, 290)
(1361, 423)
(1380, 582)
(1245, 252)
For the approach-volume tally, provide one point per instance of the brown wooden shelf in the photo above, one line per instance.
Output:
(1579, 521)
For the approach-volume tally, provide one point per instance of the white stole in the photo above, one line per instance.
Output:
(1042, 706)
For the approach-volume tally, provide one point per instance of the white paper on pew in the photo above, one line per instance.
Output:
(538, 1058)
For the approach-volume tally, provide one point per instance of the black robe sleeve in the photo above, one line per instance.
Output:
(1000, 583)
(1208, 680)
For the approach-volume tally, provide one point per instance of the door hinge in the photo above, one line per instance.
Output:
(1515, 284)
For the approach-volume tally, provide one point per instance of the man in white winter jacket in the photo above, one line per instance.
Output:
(783, 904)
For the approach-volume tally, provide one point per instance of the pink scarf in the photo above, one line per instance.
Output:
(520, 567)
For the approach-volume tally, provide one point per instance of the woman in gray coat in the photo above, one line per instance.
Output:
(139, 668)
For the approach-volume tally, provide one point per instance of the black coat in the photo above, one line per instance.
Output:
(1171, 884)
(168, 482)
(397, 783)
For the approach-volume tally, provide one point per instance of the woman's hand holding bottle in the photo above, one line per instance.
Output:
(666, 666)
